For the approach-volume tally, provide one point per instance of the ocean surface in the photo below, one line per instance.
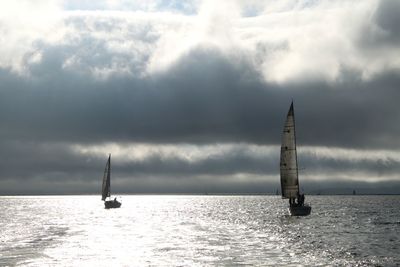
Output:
(150, 230)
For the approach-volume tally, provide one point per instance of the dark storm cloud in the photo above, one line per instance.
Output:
(24, 159)
(102, 84)
(335, 165)
(37, 168)
(203, 98)
(387, 18)
(350, 114)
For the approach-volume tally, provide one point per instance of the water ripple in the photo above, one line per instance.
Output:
(199, 231)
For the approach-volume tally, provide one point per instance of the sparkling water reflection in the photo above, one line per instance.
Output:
(198, 231)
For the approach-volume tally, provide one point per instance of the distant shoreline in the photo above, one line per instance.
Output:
(198, 194)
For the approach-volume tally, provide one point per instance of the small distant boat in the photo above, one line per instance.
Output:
(289, 169)
(106, 188)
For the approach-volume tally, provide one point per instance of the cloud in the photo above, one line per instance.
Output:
(180, 105)
(386, 19)
(200, 89)
(186, 7)
(219, 168)
(279, 40)
(21, 24)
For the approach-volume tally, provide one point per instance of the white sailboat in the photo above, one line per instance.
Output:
(289, 169)
(106, 188)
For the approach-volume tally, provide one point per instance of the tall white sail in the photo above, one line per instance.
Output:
(288, 162)
(105, 190)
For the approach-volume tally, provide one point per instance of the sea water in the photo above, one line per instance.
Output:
(150, 230)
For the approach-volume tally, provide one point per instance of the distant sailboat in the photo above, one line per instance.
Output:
(289, 168)
(106, 192)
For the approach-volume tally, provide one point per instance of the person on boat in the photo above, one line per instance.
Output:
(300, 199)
(292, 201)
(115, 199)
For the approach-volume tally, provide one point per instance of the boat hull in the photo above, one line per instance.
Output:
(112, 204)
(300, 210)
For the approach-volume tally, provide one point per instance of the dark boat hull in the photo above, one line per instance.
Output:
(300, 210)
(112, 204)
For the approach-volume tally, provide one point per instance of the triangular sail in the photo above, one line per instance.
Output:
(288, 162)
(105, 192)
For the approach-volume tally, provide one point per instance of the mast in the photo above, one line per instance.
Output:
(109, 175)
(288, 160)
(105, 190)
(295, 148)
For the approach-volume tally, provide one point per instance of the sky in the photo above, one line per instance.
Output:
(191, 96)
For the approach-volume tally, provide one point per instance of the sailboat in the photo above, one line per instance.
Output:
(289, 169)
(105, 190)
